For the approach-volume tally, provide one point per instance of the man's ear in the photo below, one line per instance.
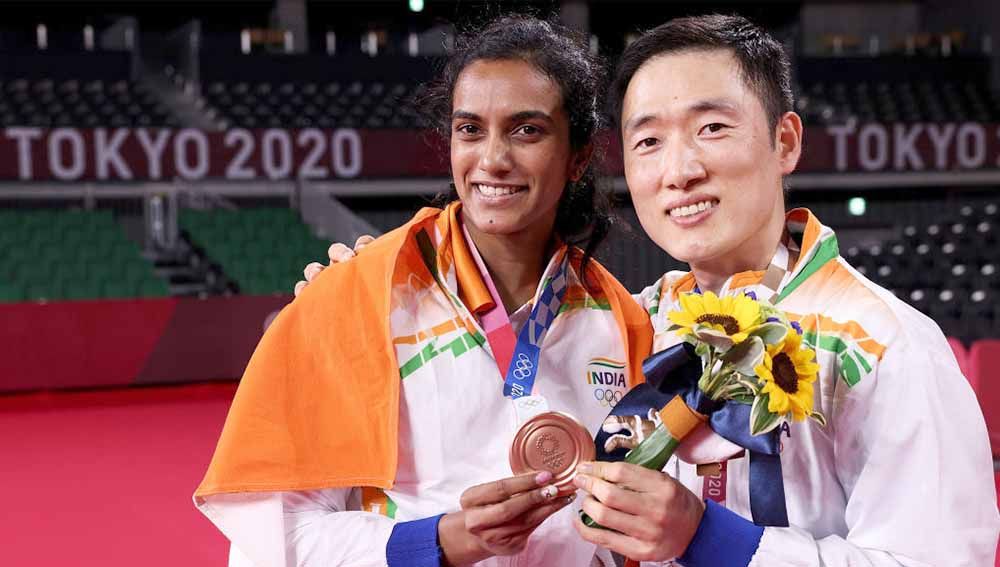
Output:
(789, 141)
(579, 161)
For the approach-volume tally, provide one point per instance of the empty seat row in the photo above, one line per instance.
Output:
(302, 105)
(261, 249)
(923, 101)
(71, 254)
(47, 103)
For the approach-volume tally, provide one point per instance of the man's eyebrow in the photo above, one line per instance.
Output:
(637, 122)
(714, 105)
(709, 105)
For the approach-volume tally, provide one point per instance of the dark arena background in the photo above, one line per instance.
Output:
(168, 168)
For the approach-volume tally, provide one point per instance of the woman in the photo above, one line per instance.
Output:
(385, 391)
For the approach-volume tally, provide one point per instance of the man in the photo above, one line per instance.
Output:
(902, 473)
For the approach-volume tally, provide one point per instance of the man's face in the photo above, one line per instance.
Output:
(702, 164)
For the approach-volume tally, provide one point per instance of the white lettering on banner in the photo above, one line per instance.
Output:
(23, 137)
(840, 134)
(941, 138)
(77, 163)
(181, 164)
(237, 168)
(106, 153)
(309, 168)
(904, 147)
(283, 168)
(154, 150)
(868, 160)
(72, 154)
(350, 139)
(971, 155)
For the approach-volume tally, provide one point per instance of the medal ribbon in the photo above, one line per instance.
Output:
(785, 257)
(517, 359)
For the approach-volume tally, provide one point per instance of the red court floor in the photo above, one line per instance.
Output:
(105, 477)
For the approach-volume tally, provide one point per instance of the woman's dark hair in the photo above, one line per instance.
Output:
(584, 216)
(763, 63)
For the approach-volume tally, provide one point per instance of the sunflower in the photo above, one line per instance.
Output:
(788, 372)
(731, 317)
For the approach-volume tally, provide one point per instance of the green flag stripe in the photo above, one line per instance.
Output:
(849, 370)
(863, 362)
(605, 364)
(852, 362)
(587, 303)
(390, 507)
(457, 347)
(828, 250)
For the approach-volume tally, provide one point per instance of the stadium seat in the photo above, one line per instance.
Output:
(46, 103)
(902, 101)
(109, 265)
(984, 364)
(303, 104)
(244, 244)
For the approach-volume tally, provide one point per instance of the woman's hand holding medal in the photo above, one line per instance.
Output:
(498, 517)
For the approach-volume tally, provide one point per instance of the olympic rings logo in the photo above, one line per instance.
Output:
(522, 366)
(608, 397)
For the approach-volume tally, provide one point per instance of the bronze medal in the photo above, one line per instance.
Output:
(554, 442)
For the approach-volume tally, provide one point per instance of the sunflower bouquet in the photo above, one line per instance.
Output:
(751, 353)
(752, 356)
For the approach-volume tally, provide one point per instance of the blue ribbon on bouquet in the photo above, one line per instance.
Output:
(675, 372)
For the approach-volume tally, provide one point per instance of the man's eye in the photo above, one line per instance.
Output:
(528, 130)
(714, 127)
(467, 129)
(646, 143)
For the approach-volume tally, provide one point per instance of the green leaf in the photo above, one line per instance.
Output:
(761, 419)
(771, 333)
(744, 399)
(745, 356)
(768, 311)
(751, 383)
(655, 450)
(734, 391)
(700, 348)
(820, 418)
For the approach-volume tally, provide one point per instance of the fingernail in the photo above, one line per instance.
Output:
(585, 468)
(579, 482)
(550, 491)
(543, 477)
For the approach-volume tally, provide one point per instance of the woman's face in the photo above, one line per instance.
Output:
(510, 151)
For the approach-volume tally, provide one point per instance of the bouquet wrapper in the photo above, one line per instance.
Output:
(671, 388)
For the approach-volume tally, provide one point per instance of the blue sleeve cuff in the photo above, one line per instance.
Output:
(723, 538)
(414, 544)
